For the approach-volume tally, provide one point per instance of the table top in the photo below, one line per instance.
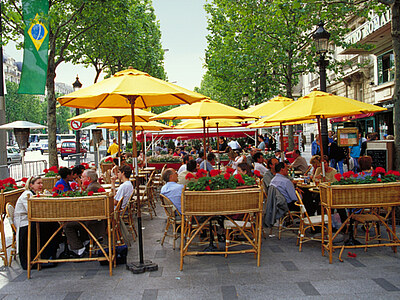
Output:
(306, 186)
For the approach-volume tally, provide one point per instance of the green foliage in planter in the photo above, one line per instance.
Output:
(379, 175)
(171, 144)
(164, 159)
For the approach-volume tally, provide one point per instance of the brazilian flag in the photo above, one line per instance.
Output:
(36, 46)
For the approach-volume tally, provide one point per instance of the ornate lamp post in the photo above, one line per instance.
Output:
(321, 40)
(77, 85)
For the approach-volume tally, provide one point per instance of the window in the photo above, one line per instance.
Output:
(386, 67)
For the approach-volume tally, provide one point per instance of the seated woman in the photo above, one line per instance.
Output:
(315, 162)
(329, 172)
(365, 163)
(33, 186)
(235, 159)
(244, 169)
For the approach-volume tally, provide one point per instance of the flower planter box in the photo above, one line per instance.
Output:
(68, 209)
(49, 183)
(221, 203)
(374, 195)
(159, 166)
(105, 167)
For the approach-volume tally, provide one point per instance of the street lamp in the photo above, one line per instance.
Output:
(321, 41)
(77, 85)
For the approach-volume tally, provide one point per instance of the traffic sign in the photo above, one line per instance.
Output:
(76, 125)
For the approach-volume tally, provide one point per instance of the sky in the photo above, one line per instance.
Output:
(183, 26)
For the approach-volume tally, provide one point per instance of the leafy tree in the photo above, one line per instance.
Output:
(21, 107)
(70, 20)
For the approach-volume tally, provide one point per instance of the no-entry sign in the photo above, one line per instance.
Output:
(76, 125)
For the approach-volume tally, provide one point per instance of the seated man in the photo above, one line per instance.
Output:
(208, 164)
(172, 189)
(125, 190)
(90, 176)
(270, 173)
(299, 163)
(284, 185)
(249, 158)
(259, 163)
(191, 168)
(66, 177)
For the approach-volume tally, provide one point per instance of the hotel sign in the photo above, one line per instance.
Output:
(369, 27)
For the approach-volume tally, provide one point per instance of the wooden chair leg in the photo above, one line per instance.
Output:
(3, 242)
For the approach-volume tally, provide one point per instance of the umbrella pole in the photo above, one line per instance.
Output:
(219, 164)
(141, 266)
(281, 138)
(322, 148)
(119, 138)
(145, 148)
(204, 139)
(208, 137)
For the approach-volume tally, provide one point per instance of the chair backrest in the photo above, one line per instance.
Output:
(10, 214)
(303, 210)
(169, 207)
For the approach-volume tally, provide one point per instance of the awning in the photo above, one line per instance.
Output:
(189, 134)
(349, 118)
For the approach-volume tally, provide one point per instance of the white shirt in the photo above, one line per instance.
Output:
(21, 210)
(261, 168)
(124, 192)
(182, 168)
(234, 145)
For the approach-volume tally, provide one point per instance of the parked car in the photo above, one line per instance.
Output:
(13, 155)
(44, 146)
(69, 148)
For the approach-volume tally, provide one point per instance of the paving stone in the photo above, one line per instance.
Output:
(157, 273)
(289, 265)
(308, 289)
(160, 254)
(73, 296)
(386, 285)
(355, 262)
(150, 294)
(229, 292)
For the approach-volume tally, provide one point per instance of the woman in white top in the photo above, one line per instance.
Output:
(125, 190)
(33, 186)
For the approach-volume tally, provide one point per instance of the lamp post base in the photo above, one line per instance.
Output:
(138, 268)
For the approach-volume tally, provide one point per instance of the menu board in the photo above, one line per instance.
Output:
(347, 136)
(379, 158)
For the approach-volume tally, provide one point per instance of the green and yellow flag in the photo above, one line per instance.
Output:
(36, 46)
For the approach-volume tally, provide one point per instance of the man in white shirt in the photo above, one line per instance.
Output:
(234, 145)
(259, 163)
(183, 167)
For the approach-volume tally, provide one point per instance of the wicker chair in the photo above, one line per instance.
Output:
(174, 219)
(307, 222)
(146, 197)
(235, 228)
(10, 218)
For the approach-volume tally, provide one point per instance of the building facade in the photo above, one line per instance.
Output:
(368, 76)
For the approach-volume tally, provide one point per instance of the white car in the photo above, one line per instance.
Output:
(13, 155)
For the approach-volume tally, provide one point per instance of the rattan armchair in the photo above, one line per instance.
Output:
(307, 222)
(13, 245)
(174, 219)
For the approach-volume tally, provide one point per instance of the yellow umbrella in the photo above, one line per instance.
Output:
(126, 126)
(205, 110)
(213, 123)
(269, 107)
(113, 115)
(131, 89)
(320, 105)
(264, 123)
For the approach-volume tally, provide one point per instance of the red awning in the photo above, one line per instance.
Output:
(349, 118)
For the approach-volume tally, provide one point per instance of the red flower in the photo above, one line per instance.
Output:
(24, 179)
(37, 196)
(86, 182)
(59, 187)
(15, 187)
(239, 178)
(208, 188)
(257, 173)
(101, 190)
(214, 173)
(54, 189)
(2, 187)
(86, 165)
(189, 176)
(230, 170)
(55, 194)
(346, 174)
(392, 172)
(201, 173)
(71, 167)
(380, 170)
(74, 185)
(90, 193)
(54, 169)
(338, 176)
(46, 171)
(227, 176)
(355, 175)
(379, 180)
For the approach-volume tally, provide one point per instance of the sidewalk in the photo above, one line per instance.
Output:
(284, 273)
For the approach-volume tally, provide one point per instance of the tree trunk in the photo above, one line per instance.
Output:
(289, 95)
(396, 95)
(51, 103)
